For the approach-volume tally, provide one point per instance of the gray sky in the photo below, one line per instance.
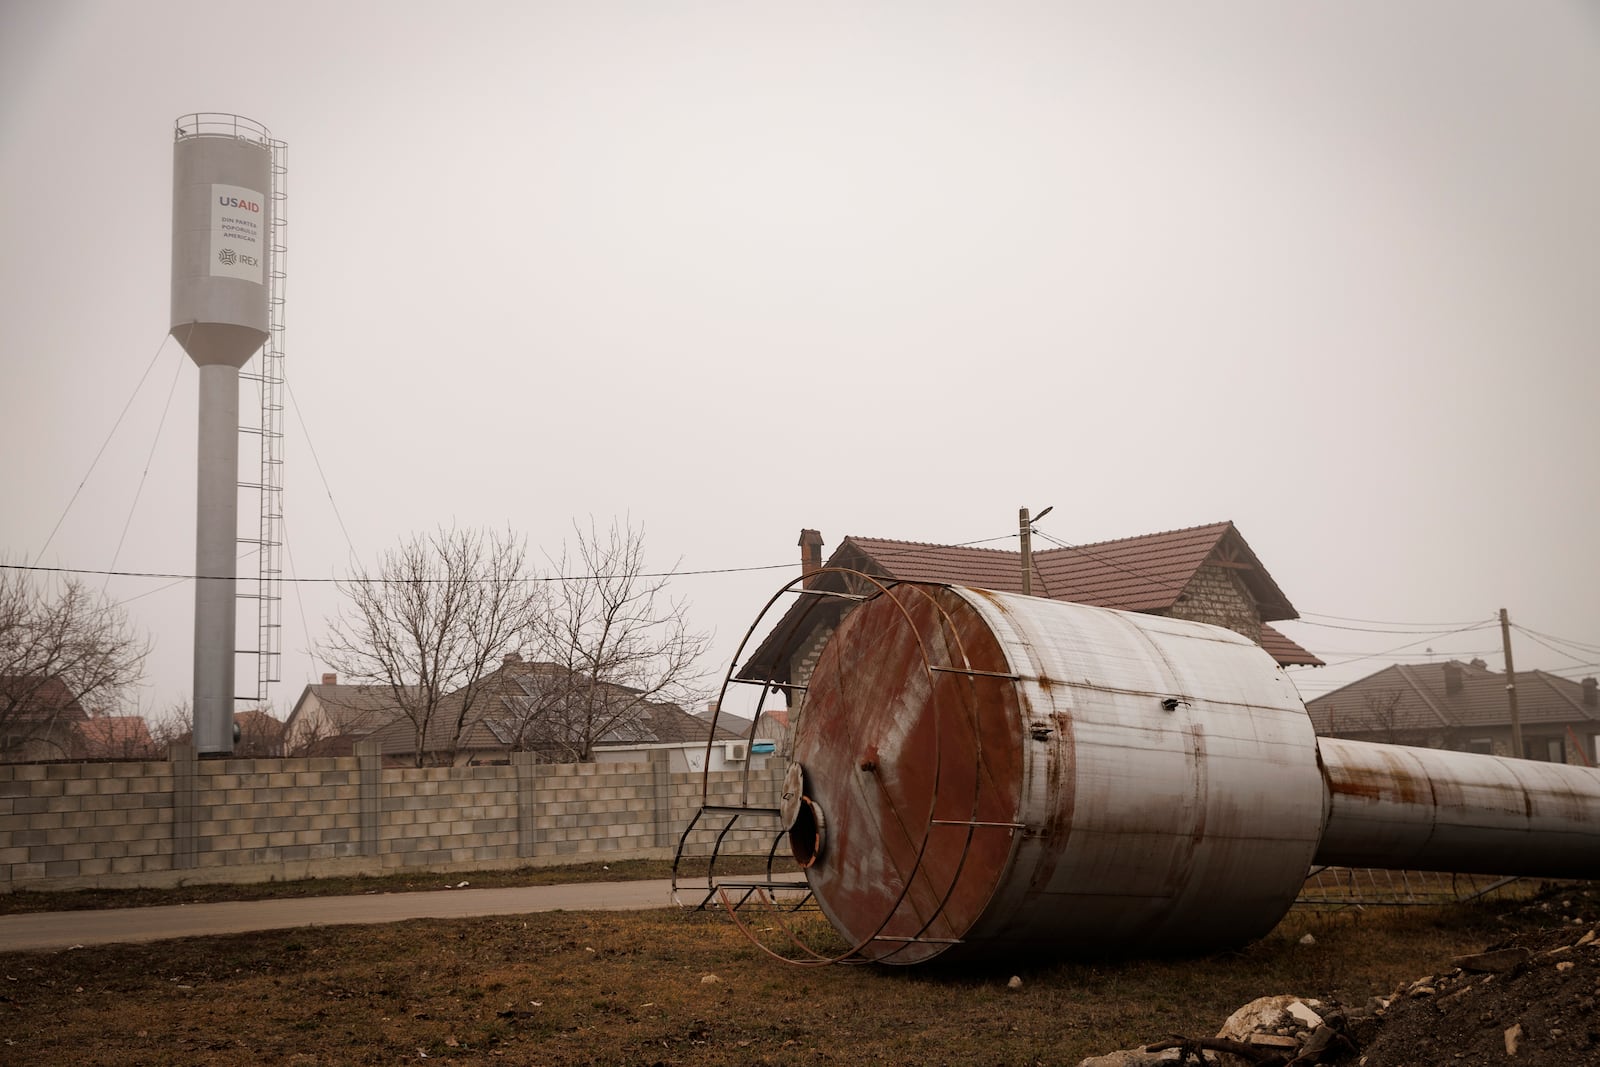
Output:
(897, 269)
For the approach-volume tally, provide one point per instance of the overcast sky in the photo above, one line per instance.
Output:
(1331, 271)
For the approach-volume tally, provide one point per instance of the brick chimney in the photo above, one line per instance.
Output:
(1452, 678)
(330, 679)
(1591, 693)
(509, 658)
(810, 555)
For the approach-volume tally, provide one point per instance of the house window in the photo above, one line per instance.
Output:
(1482, 745)
(1546, 749)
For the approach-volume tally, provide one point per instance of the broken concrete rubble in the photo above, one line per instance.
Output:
(1531, 1001)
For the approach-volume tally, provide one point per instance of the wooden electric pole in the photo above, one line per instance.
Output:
(1511, 686)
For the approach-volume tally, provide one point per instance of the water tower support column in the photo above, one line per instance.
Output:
(216, 523)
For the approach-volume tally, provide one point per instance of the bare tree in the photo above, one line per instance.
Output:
(171, 727)
(260, 733)
(1383, 714)
(64, 651)
(611, 642)
(431, 624)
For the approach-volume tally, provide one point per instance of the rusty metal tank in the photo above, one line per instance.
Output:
(984, 772)
(1423, 809)
(978, 773)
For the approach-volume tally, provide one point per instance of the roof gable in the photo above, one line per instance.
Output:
(39, 698)
(352, 709)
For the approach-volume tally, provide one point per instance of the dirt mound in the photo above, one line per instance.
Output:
(1530, 1000)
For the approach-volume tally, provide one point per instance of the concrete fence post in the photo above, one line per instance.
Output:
(661, 788)
(370, 757)
(185, 843)
(526, 767)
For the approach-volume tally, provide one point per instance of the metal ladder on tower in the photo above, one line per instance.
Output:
(269, 378)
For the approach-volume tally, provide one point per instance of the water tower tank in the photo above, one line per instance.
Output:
(221, 221)
(221, 228)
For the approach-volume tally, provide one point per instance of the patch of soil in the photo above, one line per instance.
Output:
(1532, 1002)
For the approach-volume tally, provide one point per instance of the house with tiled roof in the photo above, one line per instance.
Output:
(1203, 573)
(1464, 707)
(330, 718)
(546, 709)
(39, 719)
(117, 737)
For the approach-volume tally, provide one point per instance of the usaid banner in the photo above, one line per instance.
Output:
(238, 230)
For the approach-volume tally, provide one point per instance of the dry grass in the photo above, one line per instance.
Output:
(615, 988)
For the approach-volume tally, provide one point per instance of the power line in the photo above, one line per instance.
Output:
(1370, 630)
(1485, 624)
(432, 581)
(1412, 656)
(377, 581)
(1561, 640)
(1576, 668)
(1381, 622)
(1540, 641)
(1147, 578)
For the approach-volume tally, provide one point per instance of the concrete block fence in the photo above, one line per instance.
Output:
(185, 820)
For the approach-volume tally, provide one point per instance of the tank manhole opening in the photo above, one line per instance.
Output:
(806, 833)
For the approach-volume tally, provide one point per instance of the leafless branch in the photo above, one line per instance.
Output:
(430, 624)
(611, 641)
(64, 652)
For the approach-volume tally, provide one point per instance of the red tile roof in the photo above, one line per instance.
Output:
(37, 698)
(1146, 573)
(1135, 573)
(116, 737)
(1285, 651)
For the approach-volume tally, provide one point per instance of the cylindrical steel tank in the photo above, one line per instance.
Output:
(984, 773)
(997, 773)
(1423, 809)
(221, 228)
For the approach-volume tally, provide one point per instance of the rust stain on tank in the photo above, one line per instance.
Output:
(1395, 781)
(919, 845)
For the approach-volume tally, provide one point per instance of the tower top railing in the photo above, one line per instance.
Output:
(221, 124)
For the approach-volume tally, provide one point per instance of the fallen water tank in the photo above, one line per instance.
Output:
(988, 773)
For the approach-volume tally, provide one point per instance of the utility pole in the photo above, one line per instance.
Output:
(1511, 686)
(1025, 532)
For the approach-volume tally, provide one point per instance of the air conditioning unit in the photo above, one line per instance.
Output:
(736, 751)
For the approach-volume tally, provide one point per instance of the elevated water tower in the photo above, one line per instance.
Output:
(222, 283)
